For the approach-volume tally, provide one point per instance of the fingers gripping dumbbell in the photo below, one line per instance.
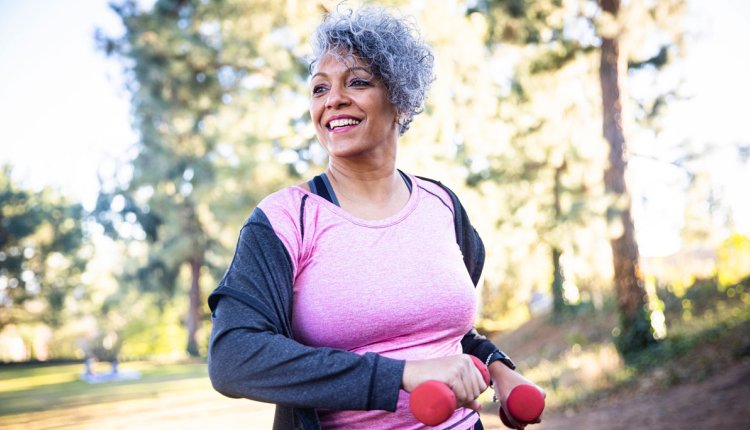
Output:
(433, 402)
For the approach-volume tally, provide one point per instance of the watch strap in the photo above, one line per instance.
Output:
(500, 356)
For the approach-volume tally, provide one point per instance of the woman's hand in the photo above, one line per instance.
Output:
(457, 371)
(505, 380)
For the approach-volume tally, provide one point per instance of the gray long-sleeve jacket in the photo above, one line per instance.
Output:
(252, 351)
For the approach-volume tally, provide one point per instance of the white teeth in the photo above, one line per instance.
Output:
(342, 122)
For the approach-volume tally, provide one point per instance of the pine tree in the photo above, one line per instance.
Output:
(559, 37)
(216, 96)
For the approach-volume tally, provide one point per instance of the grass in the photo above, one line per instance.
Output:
(167, 396)
(40, 388)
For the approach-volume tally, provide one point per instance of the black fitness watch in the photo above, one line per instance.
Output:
(502, 357)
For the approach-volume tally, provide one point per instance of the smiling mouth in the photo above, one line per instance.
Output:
(341, 124)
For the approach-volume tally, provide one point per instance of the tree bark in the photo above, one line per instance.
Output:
(195, 307)
(558, 302)
(632, 300)
(558, 276)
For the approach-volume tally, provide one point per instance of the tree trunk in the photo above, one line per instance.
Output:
(195, 307)
(558, 277)
(558, 302)
(635, 330)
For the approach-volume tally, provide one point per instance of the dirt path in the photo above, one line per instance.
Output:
(719, 403)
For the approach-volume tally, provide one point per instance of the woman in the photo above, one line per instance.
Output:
(347, 292)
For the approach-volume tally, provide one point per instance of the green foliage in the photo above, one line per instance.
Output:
(703, 313)
(544, 172)
(523, 22)
(196, 72)
(152, 334)
(220, 103)
(714, 328)
(574, 358)
(733, 259)
(635, 333)
(41, 253)
(701, 297)
(39, 388)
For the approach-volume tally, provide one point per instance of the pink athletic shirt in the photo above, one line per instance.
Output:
(396, 286)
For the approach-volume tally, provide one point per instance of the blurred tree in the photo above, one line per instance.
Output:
(733, 260)
(42, 247)
(632, 298)
(215, 96)
(175, 86)
(558, 32)
(543, 169)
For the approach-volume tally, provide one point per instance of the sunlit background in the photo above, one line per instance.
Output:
(66, 114)
(67, 125)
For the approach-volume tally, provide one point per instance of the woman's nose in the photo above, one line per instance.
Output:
(337, 97)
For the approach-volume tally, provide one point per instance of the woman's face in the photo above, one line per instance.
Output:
(350, 108)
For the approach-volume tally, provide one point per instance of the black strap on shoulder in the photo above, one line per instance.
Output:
(406, 179)
(321, 189)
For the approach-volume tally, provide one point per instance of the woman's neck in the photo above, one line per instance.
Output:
(368, 192)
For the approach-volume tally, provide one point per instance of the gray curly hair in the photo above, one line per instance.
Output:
(389, 45)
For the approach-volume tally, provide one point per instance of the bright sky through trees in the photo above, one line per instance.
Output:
(714, 73)
(62, 106)
(65, 116)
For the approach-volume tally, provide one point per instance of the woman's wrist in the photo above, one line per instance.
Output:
(406, 375)
(502, 377)
(498, 370)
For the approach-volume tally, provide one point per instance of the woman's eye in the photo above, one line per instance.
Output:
(359, 83)
(318, 89)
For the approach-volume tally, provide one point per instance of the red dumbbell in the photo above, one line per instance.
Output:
(525, 404)
(433, 402)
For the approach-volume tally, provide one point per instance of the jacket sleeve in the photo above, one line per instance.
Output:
(251, 350)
